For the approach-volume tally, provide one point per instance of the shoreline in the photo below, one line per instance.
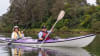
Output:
(63, 34)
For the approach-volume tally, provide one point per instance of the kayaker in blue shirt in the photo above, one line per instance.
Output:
(43, 33)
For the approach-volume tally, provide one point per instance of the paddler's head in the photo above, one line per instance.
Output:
(44, 28)
(16, 28)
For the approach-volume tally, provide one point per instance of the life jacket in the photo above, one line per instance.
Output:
(17, 35)
(44, 34)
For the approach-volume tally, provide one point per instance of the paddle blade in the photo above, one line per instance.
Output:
(61, 15)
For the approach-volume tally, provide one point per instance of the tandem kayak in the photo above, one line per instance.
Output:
(81, 41)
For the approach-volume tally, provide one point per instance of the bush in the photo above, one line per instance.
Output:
(96, 26)
(64, 28)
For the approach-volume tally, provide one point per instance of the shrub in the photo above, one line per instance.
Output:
(96, 26)
(64, 28)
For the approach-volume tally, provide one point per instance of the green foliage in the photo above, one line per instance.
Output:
(60, 24)
(86, 21)
(96, 26)
(64, 28)
(50, 22)
(80, 30)
(98, 2)
(96, 15)
(31, 14)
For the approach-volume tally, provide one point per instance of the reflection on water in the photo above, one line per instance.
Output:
(45, 51)
(69, 51)
(16, 52)
(3, 51)
(94, 47)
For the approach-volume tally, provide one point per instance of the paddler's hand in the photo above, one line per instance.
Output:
(19, 38)
(51, 30)
(40, 38)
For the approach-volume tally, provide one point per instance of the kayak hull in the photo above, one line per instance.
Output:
(81, 41)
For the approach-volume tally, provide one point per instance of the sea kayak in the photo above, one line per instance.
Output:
(81, 41)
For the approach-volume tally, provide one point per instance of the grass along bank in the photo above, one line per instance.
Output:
(63, 34)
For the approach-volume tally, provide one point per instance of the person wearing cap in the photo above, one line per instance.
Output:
(43, 33)
(16, 34)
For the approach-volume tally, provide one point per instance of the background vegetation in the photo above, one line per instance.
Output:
(32, 14)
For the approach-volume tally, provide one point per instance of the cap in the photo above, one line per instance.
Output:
(43, 27)
(16, 27)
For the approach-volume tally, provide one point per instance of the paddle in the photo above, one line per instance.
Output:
(60, 16)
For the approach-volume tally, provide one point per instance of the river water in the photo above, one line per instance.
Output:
(17, 50)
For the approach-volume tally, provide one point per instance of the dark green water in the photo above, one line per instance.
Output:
(94, 47)
(92, 50)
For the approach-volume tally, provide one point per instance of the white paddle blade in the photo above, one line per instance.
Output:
(61, 15)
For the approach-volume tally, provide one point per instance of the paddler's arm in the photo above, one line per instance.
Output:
(20, 35)
(50, 31)
(13, 37)
(40, 36)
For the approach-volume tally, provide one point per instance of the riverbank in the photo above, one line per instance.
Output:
(62, 33)
(69, 31)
